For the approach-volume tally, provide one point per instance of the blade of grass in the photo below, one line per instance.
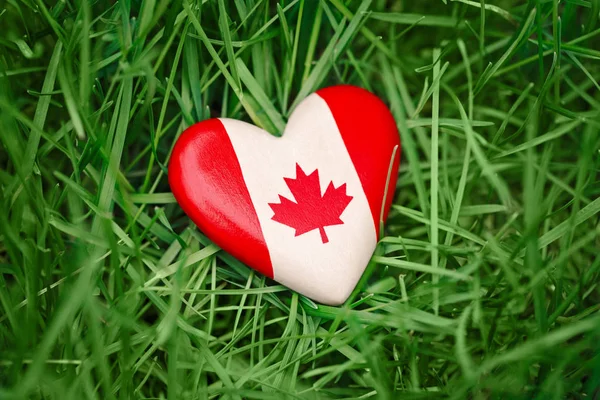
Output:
(338, 43)
(409, 19)
(484, 79)
(435, 115)
(226, 35)
(498, 183)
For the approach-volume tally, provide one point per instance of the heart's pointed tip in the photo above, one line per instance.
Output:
(334, 296)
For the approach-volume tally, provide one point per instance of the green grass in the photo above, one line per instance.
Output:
(485, 285)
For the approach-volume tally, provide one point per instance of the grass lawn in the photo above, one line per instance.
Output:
(485, 286)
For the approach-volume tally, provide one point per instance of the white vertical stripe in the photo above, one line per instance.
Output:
(326, 272)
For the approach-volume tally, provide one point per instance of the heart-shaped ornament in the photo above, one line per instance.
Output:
(305, 208)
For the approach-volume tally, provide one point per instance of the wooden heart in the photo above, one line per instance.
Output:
(303, 209)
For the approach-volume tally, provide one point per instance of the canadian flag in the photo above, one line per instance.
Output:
(303, 209)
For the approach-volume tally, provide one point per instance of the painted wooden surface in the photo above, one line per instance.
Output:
(303, 209)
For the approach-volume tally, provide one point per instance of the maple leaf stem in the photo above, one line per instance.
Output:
(323, 235)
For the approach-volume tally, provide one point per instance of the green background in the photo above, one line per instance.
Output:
(485, 285)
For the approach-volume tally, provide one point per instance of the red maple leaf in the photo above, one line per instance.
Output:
(311, 209)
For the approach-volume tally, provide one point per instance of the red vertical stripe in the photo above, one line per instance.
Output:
(370, 135)
(206, 179)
